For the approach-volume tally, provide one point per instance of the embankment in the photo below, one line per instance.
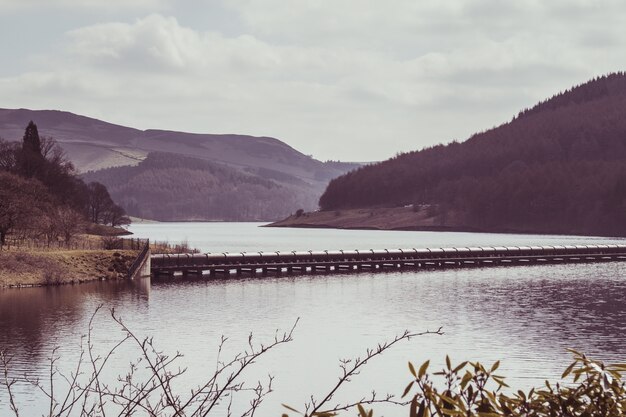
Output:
(33, 268)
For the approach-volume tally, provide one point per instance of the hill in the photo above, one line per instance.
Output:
(95, 145)
(166, 186)
(559, 167)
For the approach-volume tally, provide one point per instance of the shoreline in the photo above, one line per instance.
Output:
(382, 218)
(395, 229)
(399, 219)
(27, 269)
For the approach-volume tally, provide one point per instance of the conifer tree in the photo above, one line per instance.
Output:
(31, 141)
(31, 159)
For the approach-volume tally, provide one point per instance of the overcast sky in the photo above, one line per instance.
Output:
(338, 79)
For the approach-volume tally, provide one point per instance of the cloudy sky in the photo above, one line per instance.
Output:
(337, 79)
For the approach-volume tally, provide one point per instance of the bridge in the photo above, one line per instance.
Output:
(252, 263)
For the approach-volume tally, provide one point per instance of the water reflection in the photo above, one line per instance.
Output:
(525, 316)
(33, 319)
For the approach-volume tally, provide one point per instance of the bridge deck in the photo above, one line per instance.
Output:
(225, 264)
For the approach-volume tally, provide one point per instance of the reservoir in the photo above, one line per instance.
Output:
(524, 316)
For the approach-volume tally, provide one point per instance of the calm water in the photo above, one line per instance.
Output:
(525, 316)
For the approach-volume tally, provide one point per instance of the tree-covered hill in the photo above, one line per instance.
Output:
(559, 167)
(166, 186)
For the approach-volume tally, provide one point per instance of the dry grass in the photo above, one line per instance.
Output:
(165, 247)
(24, 268)
(385, 218)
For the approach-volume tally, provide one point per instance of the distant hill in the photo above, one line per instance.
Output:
(93, 145)
(166, 186)
(559, 167)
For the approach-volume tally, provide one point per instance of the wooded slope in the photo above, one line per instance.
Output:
(559, 167)
(172, 187)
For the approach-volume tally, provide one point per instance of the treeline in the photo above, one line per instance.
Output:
(41, 196)
(559, 167)
(171, 187)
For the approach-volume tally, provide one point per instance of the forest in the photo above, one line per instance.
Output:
(171, 187)
(42, 197)
(558, 167)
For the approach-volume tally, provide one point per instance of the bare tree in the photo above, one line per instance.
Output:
(8, 155)
(116, 216)
(20, 203)
(54, 154)
(47, 226)
(69, 222)
(147, 387)
(99, 202)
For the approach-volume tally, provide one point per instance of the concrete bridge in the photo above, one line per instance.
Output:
(227, 264)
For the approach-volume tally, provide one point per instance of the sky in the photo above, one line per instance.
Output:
(352, 80)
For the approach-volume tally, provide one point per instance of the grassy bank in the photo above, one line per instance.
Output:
(33, 267)
(383, 218)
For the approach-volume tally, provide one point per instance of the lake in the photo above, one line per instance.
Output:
(525, 316)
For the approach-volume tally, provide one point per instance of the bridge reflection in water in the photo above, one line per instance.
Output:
(227, 264)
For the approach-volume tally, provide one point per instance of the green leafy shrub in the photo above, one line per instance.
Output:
(470, 389)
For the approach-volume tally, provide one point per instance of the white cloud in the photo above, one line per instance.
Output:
(389, 76)
(20, 5)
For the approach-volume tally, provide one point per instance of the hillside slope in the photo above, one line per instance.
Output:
(291, 179)
(166, 186)
(93, 144)
(559, 167)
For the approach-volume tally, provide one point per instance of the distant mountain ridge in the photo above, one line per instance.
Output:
(105, 152)
(93, 144)
(558, 167)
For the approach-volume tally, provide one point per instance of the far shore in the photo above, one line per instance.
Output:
(141, 220)
(405, 218)
(382, 218)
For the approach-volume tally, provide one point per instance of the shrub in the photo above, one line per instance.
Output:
(112, 242)
(473, 390)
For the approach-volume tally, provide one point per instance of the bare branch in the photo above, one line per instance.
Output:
(351, 368)
(8, 382)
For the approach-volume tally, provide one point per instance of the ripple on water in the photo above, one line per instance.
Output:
(525, 316)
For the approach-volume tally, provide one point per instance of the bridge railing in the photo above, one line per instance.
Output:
(295, 257)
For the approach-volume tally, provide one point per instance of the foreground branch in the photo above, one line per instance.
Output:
(351, 368)
(149, 392)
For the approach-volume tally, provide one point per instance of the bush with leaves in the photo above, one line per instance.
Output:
(472, 390)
